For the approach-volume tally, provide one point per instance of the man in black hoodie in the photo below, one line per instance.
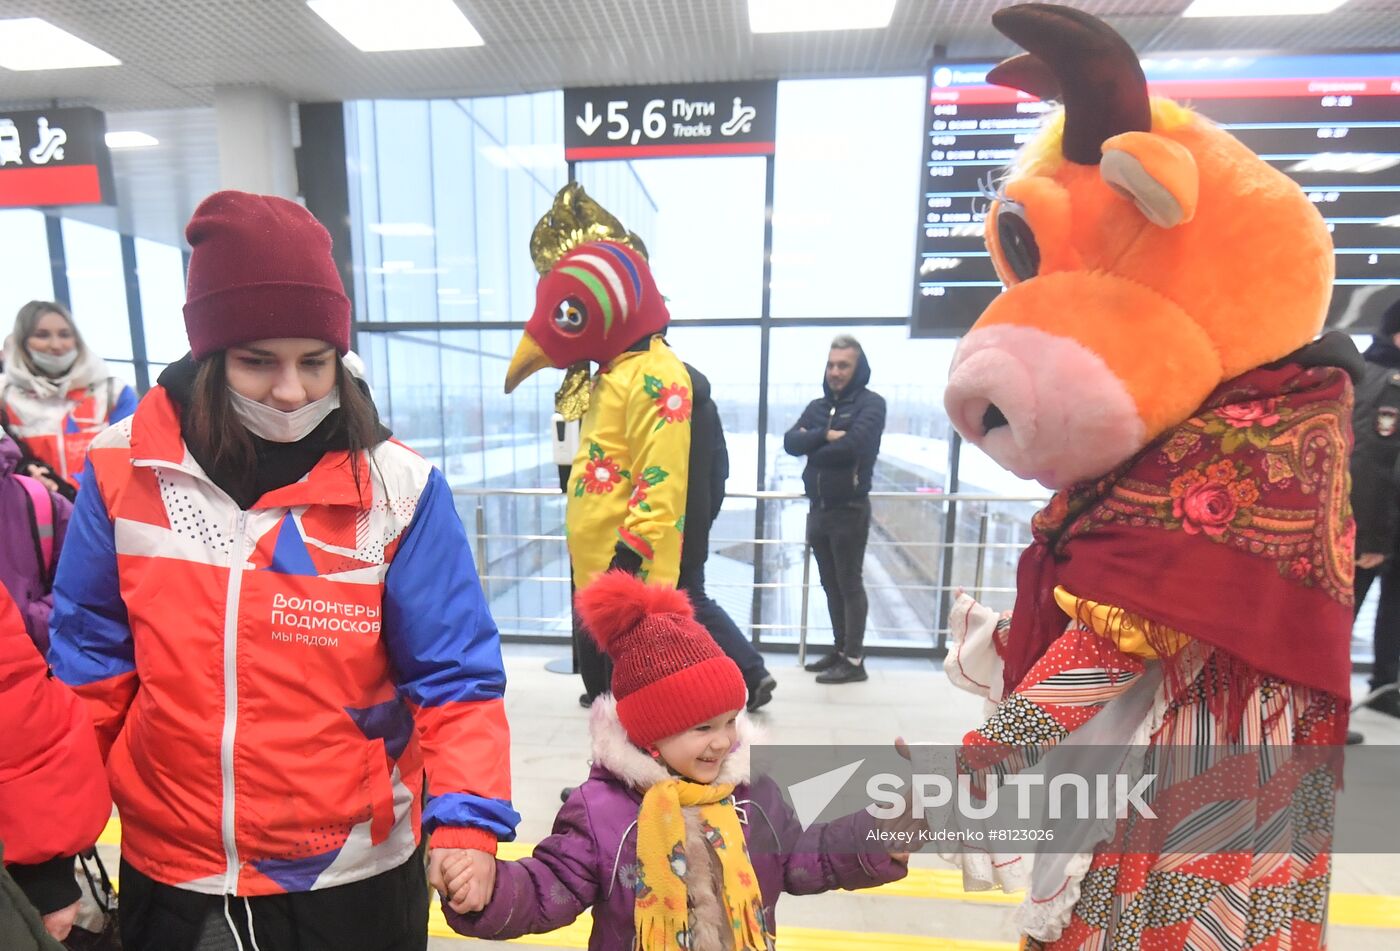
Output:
(1375, 498)
(840, 436)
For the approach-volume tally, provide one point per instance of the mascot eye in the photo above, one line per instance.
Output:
(1018, 247)
(570, 317)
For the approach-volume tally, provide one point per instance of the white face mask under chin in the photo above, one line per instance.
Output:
(51, 365)
(277, 426)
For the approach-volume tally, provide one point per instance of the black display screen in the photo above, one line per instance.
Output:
(1331, 123)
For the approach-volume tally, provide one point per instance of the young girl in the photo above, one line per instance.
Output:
(56, 395)
(273, 614)
(666, 840)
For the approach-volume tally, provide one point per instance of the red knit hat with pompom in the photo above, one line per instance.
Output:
(668, 675)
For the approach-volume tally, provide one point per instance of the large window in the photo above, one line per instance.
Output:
(97, 288)
(705, 237)
(161, 271)
(24, 248)
(448, 193)
(845, 197)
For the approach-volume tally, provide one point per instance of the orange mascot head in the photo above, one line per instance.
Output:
(1148, 256)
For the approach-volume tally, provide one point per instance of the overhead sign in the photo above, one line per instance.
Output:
(54, 157)
(621, 122)
(1329, 122)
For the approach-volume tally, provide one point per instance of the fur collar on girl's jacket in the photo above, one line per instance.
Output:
(590, 857)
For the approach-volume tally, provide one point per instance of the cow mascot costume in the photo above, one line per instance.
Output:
(1152, 360)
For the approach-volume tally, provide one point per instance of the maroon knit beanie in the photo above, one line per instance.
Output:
(668, 675)
(261, 268)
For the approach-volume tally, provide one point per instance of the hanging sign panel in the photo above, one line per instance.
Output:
(1329, 122)
(673, 121)
(54, 157)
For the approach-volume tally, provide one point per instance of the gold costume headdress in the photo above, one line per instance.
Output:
(575, 219)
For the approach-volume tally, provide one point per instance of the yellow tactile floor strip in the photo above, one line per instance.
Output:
(1349, 910)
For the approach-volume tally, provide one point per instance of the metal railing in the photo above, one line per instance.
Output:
(923, 548)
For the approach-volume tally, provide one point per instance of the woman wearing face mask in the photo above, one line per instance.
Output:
(57, 394)
(272, 611)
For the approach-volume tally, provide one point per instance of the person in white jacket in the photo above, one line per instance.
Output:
(56, 395)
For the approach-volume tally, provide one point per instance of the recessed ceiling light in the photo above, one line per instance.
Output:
(1259, 8)
(376, 26)
(130, 140)
(30, 43)
(802, 16)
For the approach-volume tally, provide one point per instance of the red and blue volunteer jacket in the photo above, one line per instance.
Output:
(269, 685)
(53, 796)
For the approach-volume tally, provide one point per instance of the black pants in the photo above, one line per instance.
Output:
(593, 665)
(596, 669)
(721, 626)
(838, 536)
(388, 912)
(1387, 634)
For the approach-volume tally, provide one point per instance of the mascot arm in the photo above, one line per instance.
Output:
(658, 435)
(1100, 655)
(977, 636)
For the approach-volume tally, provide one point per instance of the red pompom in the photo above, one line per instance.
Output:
(616, 602)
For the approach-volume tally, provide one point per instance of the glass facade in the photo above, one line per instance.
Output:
(445, 195)
(25, 250)
(88, 258)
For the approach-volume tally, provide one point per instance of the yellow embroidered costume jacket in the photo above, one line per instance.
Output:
(629, 480)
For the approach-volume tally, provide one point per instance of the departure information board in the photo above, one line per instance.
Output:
(1332, 123)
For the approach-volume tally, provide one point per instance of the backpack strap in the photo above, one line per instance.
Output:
(41, 508)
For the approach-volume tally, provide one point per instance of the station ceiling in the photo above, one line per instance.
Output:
(175, 53)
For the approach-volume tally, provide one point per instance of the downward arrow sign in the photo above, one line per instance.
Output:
(588, 122)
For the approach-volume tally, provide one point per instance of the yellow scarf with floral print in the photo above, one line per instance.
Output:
(662, 913)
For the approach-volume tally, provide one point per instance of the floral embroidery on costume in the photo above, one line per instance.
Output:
(672, 401)
(651, 476)
(600, 474)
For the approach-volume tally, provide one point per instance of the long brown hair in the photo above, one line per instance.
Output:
(215, 433)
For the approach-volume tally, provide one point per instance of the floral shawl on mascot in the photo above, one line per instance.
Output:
(1190, 583)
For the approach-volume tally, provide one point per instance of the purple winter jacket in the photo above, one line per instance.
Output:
(20, 570)
(590, 857)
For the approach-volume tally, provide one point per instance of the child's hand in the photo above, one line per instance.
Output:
(470, 888)
(904, 827)
(465, 878)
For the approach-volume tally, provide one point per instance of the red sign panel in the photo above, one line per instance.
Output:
(54, 157)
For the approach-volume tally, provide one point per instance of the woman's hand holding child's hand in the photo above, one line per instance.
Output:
(465, 878)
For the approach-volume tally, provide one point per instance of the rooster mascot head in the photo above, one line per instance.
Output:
(596, 296)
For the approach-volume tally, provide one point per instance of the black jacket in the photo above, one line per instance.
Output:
(839, 472)
(1375, 423)
(709, 469)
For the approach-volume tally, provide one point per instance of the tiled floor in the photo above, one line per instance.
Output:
(902, 698)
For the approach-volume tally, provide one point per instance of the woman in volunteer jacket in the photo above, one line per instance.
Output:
(56, 394)
(272, 611)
